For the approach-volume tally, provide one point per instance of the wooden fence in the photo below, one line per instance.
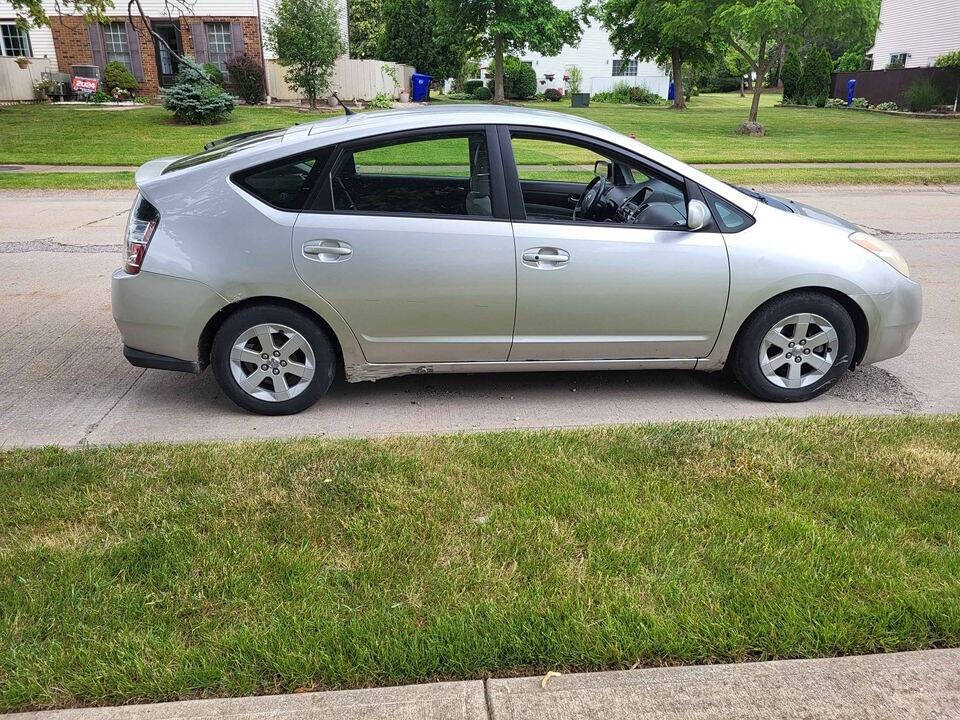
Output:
(879, 86)
(352, 80)
(16, 83)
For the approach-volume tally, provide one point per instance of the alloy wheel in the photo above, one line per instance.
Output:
(272, 362)
(798, 351)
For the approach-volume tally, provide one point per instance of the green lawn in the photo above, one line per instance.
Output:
(704, 134)
(169, 571)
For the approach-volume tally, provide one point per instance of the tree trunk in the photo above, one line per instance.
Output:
(312, 97)
(498, 69)
(755, 105)
(677, 61)
(783, 57)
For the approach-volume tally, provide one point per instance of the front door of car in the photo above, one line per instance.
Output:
(597, 289)
(408, 237)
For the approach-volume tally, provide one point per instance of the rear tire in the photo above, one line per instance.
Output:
(272, 359)
(795, 347)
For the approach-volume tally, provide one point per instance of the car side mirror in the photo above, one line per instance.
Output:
(602, 168)
(698, 215)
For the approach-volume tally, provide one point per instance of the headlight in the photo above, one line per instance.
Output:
(883, 250)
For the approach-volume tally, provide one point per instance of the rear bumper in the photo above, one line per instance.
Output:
(898, 315)
(139, 358)
(160, 316)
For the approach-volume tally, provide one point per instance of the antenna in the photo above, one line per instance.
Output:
(346, 110)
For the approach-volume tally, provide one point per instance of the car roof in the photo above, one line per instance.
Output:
(342, 128)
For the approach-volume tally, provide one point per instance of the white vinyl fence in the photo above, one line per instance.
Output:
(16, 83)
(352, 80)
(659, 84)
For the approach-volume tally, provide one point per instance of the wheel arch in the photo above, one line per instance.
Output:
(205, 343)
(857, 315)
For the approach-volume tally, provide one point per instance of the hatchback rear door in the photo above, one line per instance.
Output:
(408, 236)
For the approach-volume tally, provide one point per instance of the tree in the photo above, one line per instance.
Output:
(367, 30)
(305, 36)
(815, 82)
(418, 33)
(668, 31)
(952, 60)
(31, 12)
(497, 27)
(792, 76)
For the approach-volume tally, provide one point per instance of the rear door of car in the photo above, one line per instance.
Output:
(408, 236)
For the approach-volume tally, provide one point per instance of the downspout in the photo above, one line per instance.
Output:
(263, 56)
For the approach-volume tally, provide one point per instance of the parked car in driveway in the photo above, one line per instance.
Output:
(481, 239)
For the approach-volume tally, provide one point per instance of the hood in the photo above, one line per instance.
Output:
(797, 208)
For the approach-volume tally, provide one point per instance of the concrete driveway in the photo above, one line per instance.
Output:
(66, 381)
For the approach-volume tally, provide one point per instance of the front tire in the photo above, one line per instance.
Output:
(795, 347)
(272, 360)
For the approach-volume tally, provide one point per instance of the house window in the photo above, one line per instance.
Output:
(624, 67)
(219, 44)
(14, 41)
(898, 60)
(115, 43)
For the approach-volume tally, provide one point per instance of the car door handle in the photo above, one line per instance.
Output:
(327, 250)
(545, 255)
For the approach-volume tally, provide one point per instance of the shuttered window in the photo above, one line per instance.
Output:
(219, 44)
(115, 43)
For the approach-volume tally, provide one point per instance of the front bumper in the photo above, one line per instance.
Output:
(162, 316)
(898, 314)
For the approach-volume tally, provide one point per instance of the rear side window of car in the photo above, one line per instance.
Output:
(284, 184)
(730, 218)
(443, 174)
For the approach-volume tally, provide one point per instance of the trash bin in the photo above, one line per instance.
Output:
(851, 89)
(420, 90)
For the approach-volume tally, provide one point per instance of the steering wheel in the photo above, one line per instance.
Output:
(590, 198)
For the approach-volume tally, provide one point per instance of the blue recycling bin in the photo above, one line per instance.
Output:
(851, 88)
(421, 87)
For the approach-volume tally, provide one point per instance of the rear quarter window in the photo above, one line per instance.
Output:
(284, 184)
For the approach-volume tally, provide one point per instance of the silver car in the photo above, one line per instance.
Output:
(482, 239)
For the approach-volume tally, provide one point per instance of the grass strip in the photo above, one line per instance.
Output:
(155, 572)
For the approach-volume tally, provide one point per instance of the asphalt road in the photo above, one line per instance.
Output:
(66, 381)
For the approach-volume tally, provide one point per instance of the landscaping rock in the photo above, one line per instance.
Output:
(754, 129)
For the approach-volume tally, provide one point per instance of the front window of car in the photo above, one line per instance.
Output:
(566, 180)
(446, 173)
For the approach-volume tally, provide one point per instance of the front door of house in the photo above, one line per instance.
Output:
(167, 64)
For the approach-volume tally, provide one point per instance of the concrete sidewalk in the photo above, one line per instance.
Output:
(900, 686)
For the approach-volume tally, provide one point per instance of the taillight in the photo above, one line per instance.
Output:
(140, 228)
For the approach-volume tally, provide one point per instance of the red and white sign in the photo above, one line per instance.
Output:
(84, 84)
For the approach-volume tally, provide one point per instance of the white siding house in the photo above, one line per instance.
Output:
(916, 32)
(601, 65)
(38, 41)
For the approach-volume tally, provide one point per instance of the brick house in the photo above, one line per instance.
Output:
(214, 31)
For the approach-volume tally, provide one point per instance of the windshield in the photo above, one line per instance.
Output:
(223, 148)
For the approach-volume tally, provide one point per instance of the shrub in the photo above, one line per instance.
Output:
(382, 101)
(552, 94)
(861, 103)
(623, 94)
(116, 75)
(850, 61)
(815, 81)
(886, 106)
(196, 101)
(640, 95)
(950, 60)
(460, 96)
(98, 98)
(792, 75)
(482, 93)
(922, 96)
(42, 89)
(519, 79)
(246, 78)
(835, 103)
(574, 79)
(471, 85)
(213, 73)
